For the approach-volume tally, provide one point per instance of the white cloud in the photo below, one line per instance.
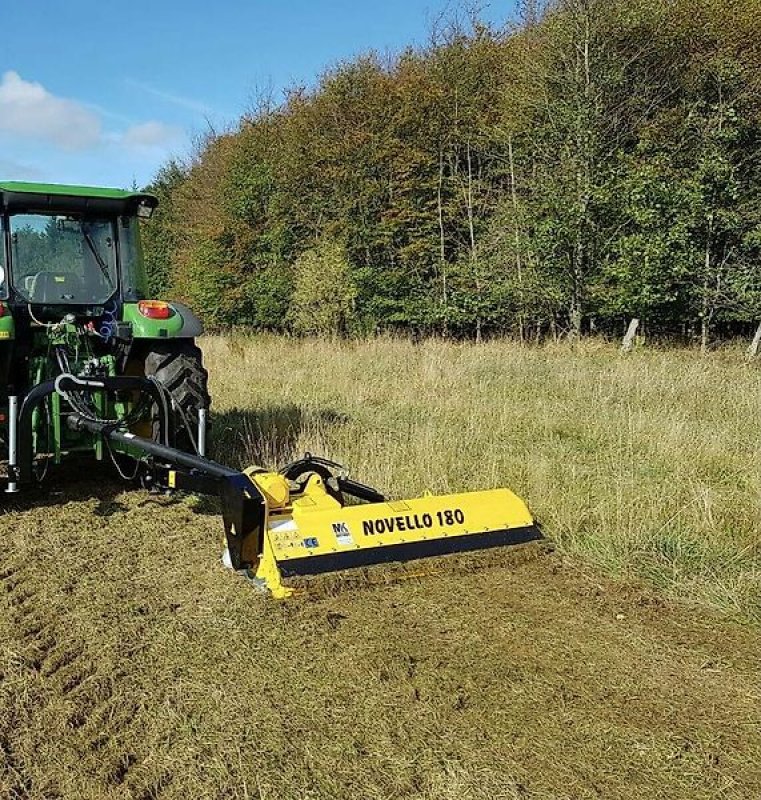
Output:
(28, 109)
(151, 134)
(46, 137)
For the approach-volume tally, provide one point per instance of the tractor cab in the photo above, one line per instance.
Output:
(71, 250)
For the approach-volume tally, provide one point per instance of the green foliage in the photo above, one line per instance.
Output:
(160, 234)
(594, 162)
(324, 294)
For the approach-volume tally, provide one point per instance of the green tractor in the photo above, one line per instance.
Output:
(81, 339)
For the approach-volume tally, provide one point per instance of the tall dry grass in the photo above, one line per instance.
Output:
(646, 464)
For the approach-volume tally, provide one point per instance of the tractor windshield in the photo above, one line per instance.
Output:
(61, 260)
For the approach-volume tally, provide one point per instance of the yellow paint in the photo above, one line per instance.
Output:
(268, 572)
(272, 485)
(397, 522)
(315, 524)
(172, 479)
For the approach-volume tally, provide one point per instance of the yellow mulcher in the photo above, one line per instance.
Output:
(310, 519)
(308, 529)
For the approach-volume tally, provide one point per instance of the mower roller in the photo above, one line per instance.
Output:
(89, 365)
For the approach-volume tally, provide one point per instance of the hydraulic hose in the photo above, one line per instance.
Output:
(168, 454)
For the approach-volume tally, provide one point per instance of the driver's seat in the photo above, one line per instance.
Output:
(53, 288)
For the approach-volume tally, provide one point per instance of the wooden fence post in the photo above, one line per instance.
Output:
(631, 332)
(754, 345)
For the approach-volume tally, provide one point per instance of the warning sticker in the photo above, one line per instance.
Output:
(281, 525)
(342, 532)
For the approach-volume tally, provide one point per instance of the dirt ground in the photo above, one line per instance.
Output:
(132, 665)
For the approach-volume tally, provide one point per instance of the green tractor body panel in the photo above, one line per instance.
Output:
(181, 323)
(7, 327)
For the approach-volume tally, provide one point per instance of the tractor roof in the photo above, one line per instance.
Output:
(20, 196)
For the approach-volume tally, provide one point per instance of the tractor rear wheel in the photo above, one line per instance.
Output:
(178, 365)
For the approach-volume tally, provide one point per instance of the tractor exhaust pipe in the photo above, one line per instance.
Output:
(12, 487)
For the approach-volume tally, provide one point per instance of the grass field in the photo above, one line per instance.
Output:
(624, 665)
(647, 465)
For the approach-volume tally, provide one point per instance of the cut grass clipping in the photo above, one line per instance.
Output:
(132, 665)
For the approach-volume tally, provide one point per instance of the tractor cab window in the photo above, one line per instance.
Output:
(134, 280)
(60, 260)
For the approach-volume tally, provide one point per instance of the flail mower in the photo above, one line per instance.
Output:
(91, 366)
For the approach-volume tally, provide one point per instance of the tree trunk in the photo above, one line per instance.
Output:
(516, 232)
(707, 310)
(442, 249)
(472, 232)
(575, 317)
(631, 333)
(704, 334)
(580, 258)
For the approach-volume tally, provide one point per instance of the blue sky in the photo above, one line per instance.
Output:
(103, 93)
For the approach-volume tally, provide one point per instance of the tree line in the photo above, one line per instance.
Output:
(587, 162)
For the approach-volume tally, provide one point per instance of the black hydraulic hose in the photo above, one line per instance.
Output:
(39, 392)
(331, 470)
(169, 454)
(360, 490)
